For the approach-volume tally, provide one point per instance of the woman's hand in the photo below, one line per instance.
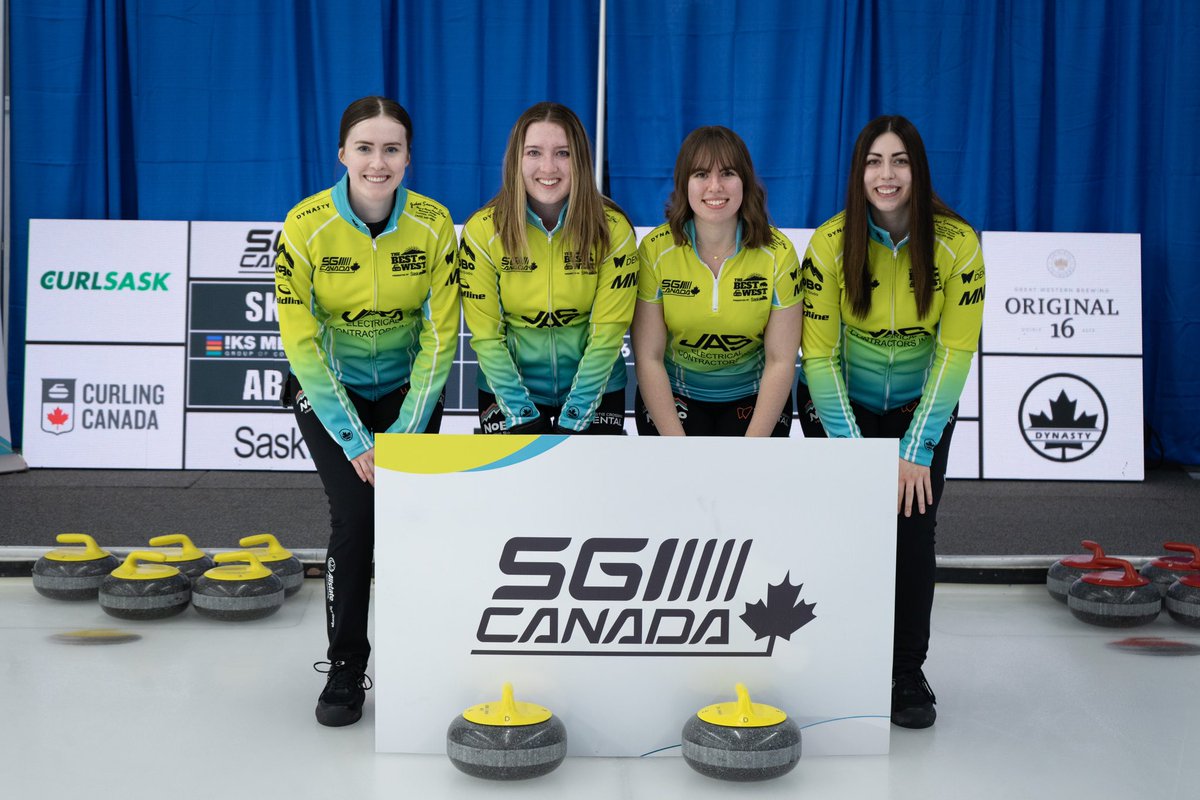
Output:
(364, 465)
(914, 481)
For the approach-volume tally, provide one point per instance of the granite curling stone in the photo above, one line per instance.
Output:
(278, 559)
(741, 741)
(1183, 600)
(1115, 598)
(1064, 572)
(505, 740)
(240, 589)
(188, 559)
(144, 587)
(71, 573)
(1164, 571)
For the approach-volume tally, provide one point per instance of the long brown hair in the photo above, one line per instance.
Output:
(923, 205)
(584, 227)
(709, 148)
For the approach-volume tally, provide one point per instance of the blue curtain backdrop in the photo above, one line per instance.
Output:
(1067, 115)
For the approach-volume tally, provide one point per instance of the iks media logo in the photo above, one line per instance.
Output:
(58, 405)
(630, 597)
(1063, 417)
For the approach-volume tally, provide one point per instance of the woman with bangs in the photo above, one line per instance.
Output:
(893, 296)
(718, 318)
(548, 272)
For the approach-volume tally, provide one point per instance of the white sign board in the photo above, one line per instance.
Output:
(104, 407)
(625, 583)
(106, 281)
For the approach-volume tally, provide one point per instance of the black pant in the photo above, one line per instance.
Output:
(352, 519)
(609, 418)
(916, 560)
(705, 418)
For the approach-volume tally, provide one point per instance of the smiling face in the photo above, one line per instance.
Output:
(715, 193)
(375, 156)
(887, 180)
(546, 169)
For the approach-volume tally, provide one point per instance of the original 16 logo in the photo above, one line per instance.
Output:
(628, 597)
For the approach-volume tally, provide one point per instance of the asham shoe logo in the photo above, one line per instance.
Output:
(1063, 417)
(58, 405)
(632, 597)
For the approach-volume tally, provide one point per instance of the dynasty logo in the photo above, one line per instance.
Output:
(631, 597)
(1063, 417)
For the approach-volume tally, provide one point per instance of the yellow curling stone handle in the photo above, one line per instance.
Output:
(90, 552)
(241, 565)
(187, 551)
(274, 551)
(506, 711)
(741, 713)
(135, 568)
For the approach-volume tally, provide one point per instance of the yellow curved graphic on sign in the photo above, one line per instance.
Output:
(439, 454)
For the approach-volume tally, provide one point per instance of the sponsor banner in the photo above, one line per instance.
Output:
(1068, 293)
(127, 279)
(1063, 418)
(104, 406)
(654, 584)
(259, 441)
(964, 450)
(235, 354)
(234, 249)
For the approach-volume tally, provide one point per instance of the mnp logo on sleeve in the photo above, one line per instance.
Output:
(126, 279)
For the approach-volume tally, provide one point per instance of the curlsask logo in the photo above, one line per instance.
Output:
(628, 597)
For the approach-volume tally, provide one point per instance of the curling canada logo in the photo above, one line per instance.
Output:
(58, 405)
(634, 597)
(1063, 417)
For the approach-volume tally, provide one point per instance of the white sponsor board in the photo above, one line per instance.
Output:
(104, 407)
(234, 249)
(1063, 418)
(1064, 293)
(625, 583)
(107, 281)
(260, 441)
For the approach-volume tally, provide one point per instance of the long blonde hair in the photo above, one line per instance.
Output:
(584, 226)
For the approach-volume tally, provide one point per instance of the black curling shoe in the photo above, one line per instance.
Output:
(341, 701)
(912, 700)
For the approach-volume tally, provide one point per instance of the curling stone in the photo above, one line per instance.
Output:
(140, 590)
(741, 741)
(189, 560)
(69, 573)
(1183, 600)
(277, 559)
(1162, 572)
(1064, 572)
(1115, 598)
(505, 740)
(242, 588)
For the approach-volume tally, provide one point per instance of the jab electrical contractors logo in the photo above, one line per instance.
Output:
(58, 405)
(603, 596)
(1063, 417)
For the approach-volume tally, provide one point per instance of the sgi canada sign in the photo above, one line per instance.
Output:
(626, 582)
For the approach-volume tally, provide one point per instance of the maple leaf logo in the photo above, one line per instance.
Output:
(781, 614)
(58, 417)
(1062, 417)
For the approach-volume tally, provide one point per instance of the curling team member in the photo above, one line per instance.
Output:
(893, 296)
(718, 315)
(548, 274)
(368, 312)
